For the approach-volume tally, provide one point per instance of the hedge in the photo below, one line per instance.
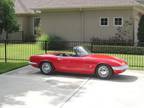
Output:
(118, 49)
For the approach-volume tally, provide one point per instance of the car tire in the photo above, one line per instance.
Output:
(104, 71)
(46, 68)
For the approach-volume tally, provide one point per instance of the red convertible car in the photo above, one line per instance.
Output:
(81, 62)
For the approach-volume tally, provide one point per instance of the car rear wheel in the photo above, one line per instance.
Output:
(46, 68)
(104, 71)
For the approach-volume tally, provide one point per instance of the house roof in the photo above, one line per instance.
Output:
(27, 6)
(140, 1)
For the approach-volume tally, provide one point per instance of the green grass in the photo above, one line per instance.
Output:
(134, 61)
(24, 51)
(5, 67)
(20, 51)
(17, 51)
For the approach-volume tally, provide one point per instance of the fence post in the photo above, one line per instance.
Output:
(45, 43)
(91, 46)
(5, 41)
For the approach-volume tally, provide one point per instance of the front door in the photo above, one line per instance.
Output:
(71, 64)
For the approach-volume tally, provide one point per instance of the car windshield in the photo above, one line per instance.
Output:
(81, 51)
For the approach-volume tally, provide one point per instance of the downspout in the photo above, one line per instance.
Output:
(135, 28)
(134, 43)
(82, 24)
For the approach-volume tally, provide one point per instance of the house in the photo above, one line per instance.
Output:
(81, 20)
(26, 17)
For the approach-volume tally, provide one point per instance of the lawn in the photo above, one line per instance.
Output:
(16, 51)
(134, 61)
(18, 55)
(22, 52)
(5, 67)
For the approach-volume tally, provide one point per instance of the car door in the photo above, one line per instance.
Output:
(71, 64)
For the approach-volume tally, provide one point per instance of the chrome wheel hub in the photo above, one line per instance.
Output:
(46, 67)
(103, 71)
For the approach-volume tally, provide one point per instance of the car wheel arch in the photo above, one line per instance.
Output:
(103, 64)
(48, 62)
(99, 74)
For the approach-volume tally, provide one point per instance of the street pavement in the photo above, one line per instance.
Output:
(28, 88)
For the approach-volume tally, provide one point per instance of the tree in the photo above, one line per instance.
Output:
(141, 29)
(8, 19)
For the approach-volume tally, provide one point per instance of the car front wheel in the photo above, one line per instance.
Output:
(46, 68)
(104, 71)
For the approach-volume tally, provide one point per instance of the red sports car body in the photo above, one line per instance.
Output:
(82, 62)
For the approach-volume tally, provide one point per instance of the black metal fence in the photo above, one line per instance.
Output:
(21, 51)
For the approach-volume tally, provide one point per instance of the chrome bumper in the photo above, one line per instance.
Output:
(124, 67)
(32, 63)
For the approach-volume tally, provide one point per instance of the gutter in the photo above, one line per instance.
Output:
(85, 7)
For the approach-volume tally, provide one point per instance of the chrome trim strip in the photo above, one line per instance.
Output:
(124, 67)
(32, 63)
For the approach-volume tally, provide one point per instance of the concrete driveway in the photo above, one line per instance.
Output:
(28, 88)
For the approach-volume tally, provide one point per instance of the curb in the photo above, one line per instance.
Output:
(18, 69)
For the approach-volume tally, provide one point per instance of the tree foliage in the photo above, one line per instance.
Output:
(141, 29)
(8, 16)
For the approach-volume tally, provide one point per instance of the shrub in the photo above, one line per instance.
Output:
(57, 43)
(118, 49)
(112, 41)
(141, 30)
(141, 44)
(51, 42)
(42, 41)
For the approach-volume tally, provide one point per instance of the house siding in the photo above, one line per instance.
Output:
(66, 25)
(84, 24)
(93, 28)
(26, 25)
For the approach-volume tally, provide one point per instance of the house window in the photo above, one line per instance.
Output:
(36, 24)
(104, 21)
(118, 21)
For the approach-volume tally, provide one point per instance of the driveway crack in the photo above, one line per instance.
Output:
(75, 92)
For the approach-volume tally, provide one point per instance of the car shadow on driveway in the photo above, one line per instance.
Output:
(115, 78)
(71, 75)
(124, 78)
(60, 74)
(35, 73)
